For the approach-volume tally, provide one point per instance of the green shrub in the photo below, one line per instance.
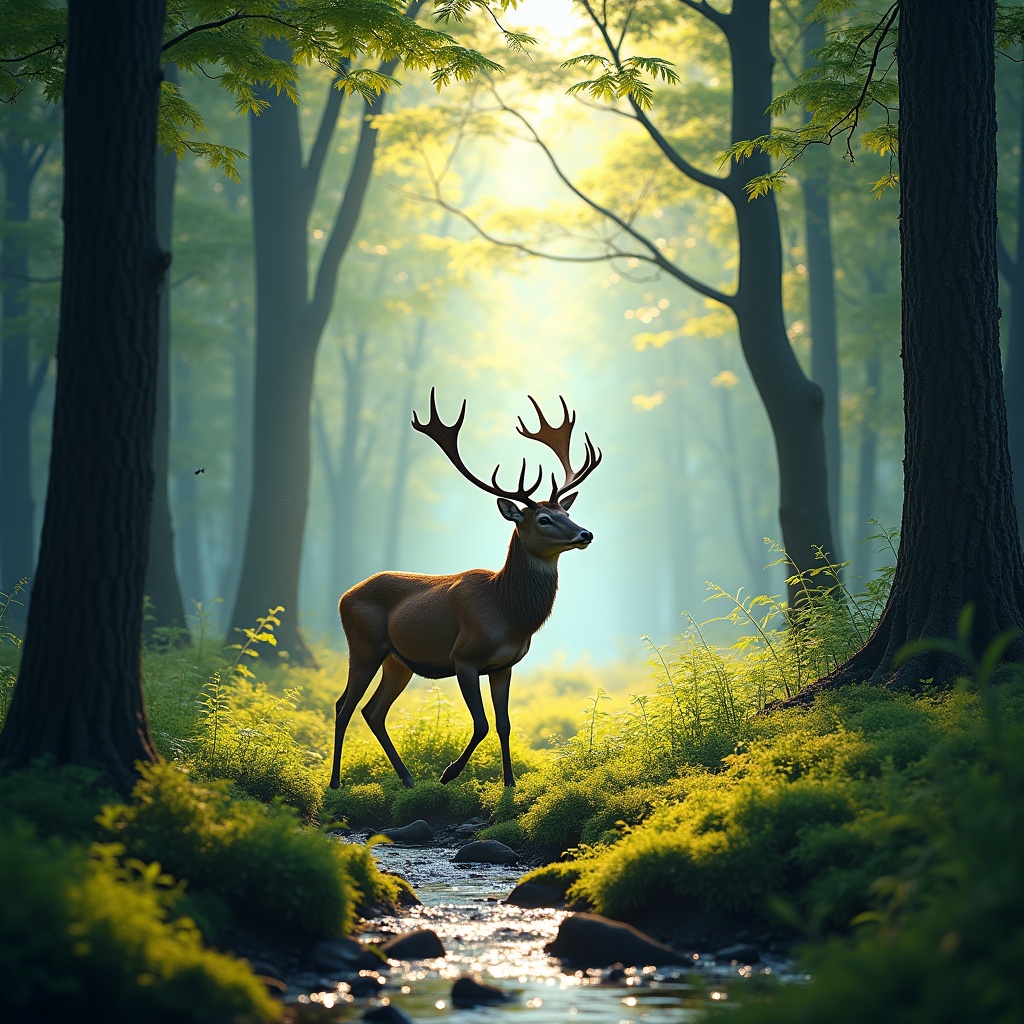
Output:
(435, 803)
(271, 872)
(511, 833)
(942, 943)
(58, 800)
(84, 931)
(557, 820)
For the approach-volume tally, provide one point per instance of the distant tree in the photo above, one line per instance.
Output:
(27, 138)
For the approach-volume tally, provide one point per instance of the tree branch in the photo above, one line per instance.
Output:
(655, 257)
(709, 12)
(328, 120)
(212, 25)
(348, 211)
(674, 157)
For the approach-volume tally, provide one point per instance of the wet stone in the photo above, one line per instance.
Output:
(366, 983)
(467, 992)
(344, 954)
(591, 940)
(421, 944)
(486, 851)
(389, 1014)
(533, 895)
(413, 834)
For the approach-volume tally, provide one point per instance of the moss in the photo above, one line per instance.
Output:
(82, 928)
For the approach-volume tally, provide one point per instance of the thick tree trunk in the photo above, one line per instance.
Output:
(959, 541)
(793, 402)
(167, 610)
(79, 692)
(17, 395)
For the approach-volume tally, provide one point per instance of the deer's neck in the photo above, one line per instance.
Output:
(527, 586)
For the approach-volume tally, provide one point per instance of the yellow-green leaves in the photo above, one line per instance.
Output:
(626, 78)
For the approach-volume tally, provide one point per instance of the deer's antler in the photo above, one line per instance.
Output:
(446, 437)
(557, 439)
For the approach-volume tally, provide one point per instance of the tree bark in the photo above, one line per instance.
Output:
(79, 692)
(959, 542)
(167, 611)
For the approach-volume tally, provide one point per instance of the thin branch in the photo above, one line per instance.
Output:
(212, 25)
(709, 12)
(57, 44)
(674, 157)
(318, 152)
(656, 256)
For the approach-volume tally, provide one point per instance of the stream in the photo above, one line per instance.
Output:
(503, 945)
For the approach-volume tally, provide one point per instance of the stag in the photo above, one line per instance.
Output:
(471, 623)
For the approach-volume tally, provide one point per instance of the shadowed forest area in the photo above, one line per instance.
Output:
(750, 277)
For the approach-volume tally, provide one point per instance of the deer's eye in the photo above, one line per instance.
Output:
(543, 521)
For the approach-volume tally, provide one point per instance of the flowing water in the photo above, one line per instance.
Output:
(503, 946)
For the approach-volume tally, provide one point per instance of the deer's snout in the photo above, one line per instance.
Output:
(584, 538)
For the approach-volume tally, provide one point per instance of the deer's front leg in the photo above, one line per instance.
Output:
(500, 685)
(469, 684)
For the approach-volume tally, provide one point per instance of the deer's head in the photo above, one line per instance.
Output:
(544, 527)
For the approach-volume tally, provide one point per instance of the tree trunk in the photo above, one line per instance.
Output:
(821, 288)
(167, 611)
(403, 456)
(20, 162)
(959, 542)
(79, 692)
(793, 403)
(289, 325)
(867, 460)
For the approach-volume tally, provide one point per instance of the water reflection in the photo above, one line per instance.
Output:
(504, 946)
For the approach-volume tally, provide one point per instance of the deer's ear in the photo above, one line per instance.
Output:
(510, 510)
(566, 502)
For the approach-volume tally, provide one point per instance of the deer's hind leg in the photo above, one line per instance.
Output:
(394, 680)
(362, 667)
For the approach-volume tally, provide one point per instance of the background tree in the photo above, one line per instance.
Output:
(27, 138)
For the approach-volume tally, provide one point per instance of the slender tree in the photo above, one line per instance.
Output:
(25, 143)
(168, 609)
(79, 691)
(290, 321)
